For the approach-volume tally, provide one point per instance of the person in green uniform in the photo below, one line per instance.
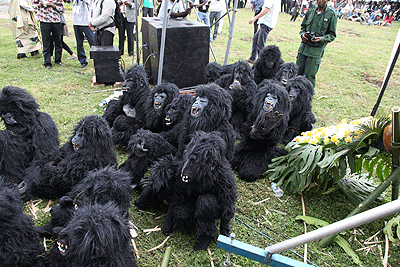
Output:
(317, 30)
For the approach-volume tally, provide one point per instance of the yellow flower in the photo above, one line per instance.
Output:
(326, 141)
(309, 133)
(346, 133)
(307, 140)
(334, 139)
(298, 139)
(355, 122)
(348, 139)
(337, 142)
(344, 121)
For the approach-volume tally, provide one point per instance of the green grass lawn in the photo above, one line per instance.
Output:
(348, 84)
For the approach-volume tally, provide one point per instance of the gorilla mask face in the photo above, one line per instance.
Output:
(269, 62)
(131, 83)
(294, 93)
(187, 174)
(171, 116)
(198, 106)
(62, 243)
(287, 74)
(270, 102)
(9, 119)
(159, 100)
(78, 140)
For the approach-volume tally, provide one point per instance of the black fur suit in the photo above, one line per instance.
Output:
(145, 147)
(176, 110)
(264, 129)
(20, 245)
(97, 236)
(211, 111)
(242, 88)
(89, 147)
(301, 119)
(156, 106)
(127, 114)
(30, 137)
(99, 186)
(267, 64)
(200, 188)
(214, 70)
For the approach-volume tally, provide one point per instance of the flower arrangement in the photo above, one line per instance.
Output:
(318, 159)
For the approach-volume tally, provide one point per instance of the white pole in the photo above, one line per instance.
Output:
(337, 227)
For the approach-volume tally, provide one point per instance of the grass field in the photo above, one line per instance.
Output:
(348, 84)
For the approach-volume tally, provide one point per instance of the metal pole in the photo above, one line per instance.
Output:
(337, 227)
(392, 63)
(137, 30)
(368, 201)
(163, 35)
(231, 26)
(395, 149)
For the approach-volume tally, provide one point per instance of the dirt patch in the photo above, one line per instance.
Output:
(247, 39)
(349, 32)
(372, 80)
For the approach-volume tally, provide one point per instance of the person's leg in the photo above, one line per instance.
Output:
(57, 42)
(88, 34)
(216, 26)
(200, 16)
(311, 69)
(121, 35)
(80, 50)
(301, 63)
(97, 38)
(45, 29)
(130, 26)
(262, 37)
(151, 14)
(254, 51)
(256, 21)
(65, 46)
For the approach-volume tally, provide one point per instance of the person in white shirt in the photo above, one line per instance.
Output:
(267, 20)
(215, 14)
(81, 10)
(178, 11)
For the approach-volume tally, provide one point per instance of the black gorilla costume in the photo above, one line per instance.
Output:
(20, 245)
(89, 147)
(264, 129)
(301, 118)
(211, 111)
(214, 70)
(176, 110)
(99, 186)
(156, 106)
(267, 64)
(145, 147)
(241, 87)
(30, 137)
(200, 188)
(127, 114)
(286, 71)
(97, 236)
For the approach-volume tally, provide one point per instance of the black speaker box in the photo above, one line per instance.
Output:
(105, 60)
(186, 52)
